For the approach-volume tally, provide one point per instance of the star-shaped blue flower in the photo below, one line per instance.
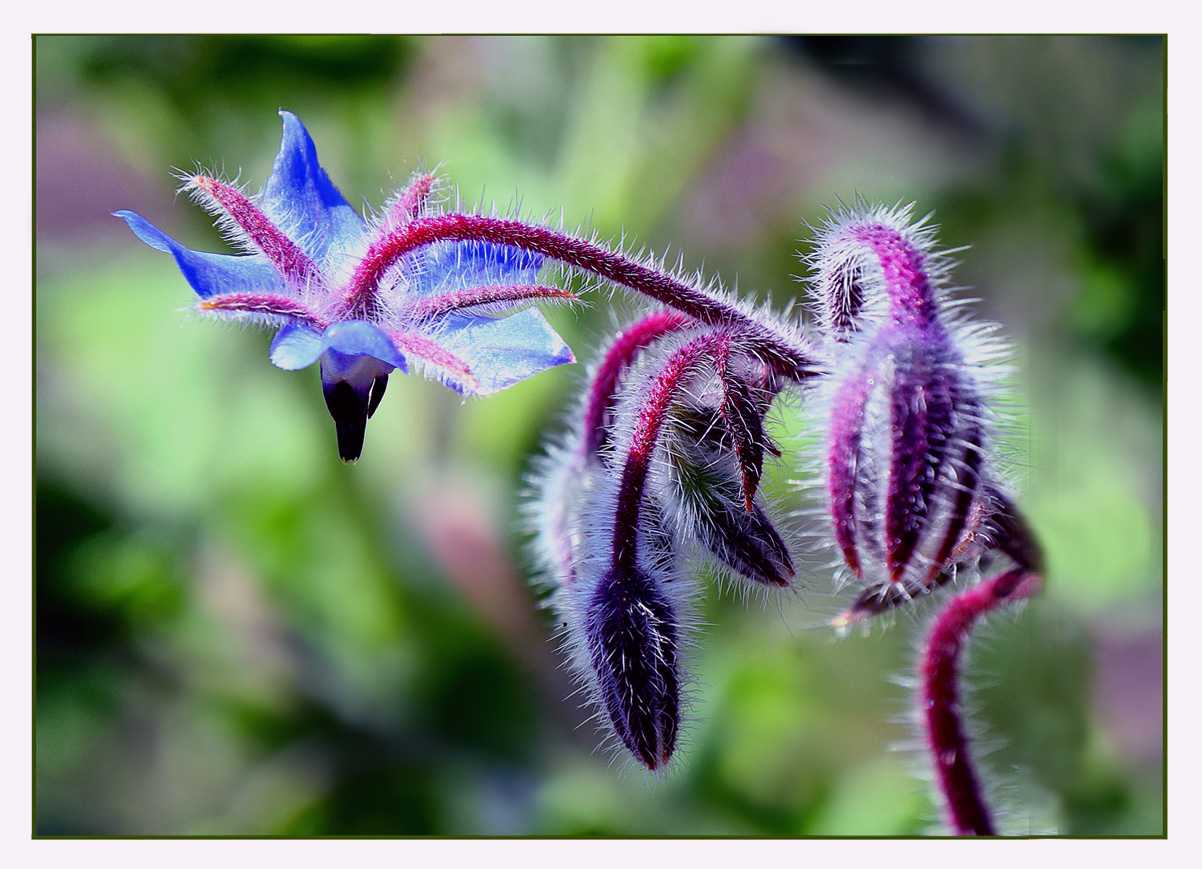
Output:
(455, 309)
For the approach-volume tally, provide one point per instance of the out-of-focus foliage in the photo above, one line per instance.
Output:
(237, 634)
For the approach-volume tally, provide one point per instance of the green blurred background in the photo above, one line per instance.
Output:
(237, 634)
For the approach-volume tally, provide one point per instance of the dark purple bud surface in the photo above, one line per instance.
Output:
(632, 636)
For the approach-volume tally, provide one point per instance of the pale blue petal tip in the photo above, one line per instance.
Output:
(295, 346)
(504, 352)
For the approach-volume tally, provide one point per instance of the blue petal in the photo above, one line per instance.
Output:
(300, 199)
(209, 274)
(502, 352)
(454, 266)
(298, 346)
(360, 338)
(295, 346)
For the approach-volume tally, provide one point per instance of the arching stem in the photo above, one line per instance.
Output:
(786, 350)
(674, 376)
(941, 702)
(620, 356)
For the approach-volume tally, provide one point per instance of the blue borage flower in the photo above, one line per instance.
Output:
(456, 309)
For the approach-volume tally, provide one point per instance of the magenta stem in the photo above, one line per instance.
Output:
(940, 667)
(410, 202)
(621, 355)
(789, 353)
(638, 461)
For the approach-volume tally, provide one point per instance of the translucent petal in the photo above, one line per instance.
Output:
(300, 199)
(209, 273)
(502, 352)
(295, 346)
(444, 268)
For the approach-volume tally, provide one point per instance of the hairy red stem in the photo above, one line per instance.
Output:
(946, 738)
(789, 354)
(621, 355)
(638, 461)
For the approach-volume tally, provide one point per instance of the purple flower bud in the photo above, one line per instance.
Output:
(908, 430)
(904, 457)
(666, 456)
(633, 647)
(709, 497)
(562, 486)
(911, 496)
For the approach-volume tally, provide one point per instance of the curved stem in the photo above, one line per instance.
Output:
(903, 268)
(787, 351)
(663, 392)
(602, 396)
(621, 355)
(940, 669)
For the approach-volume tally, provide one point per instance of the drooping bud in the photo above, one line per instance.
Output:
(902, 480)
(565, 478)
(709, 489)
(907, 434)
(633, 645)
(622, 596)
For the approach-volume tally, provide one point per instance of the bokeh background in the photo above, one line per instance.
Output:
(237, 634)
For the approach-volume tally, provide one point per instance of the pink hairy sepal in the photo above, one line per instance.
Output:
(289, 260)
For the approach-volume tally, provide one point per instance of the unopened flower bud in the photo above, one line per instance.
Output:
(633, 645)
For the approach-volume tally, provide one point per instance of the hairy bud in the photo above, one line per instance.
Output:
(709, 491)
(908, 430)
(904, 459)
(666, 457)
(633, 645)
